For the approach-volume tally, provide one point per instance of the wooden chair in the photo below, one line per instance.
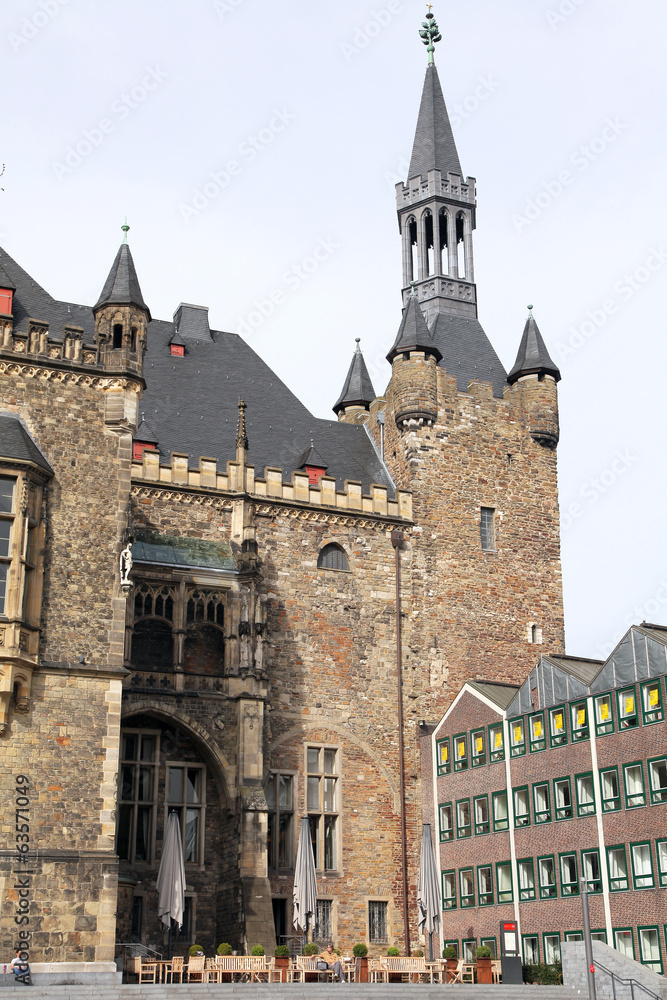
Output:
(467, 972)
(497, 971)
(147, 972)
(212, 971)
(307, 965)
(176, 969)
(195, 969)
(377, 971)
(259, 967)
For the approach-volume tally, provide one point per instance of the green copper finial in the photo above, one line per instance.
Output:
(412, 289)
(530, 310)
(125, 229)
(430, 33)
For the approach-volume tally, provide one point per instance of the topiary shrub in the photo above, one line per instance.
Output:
(360, 950)
(483, 951)
(257, 949)
(393, 952)
(543, 975)
(282, 951)
(449, 953)
(195, 949)
(310, 949)
(419, 953)
(224, 949)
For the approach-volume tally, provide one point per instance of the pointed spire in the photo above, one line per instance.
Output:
(413, 333)
(241, 433)
(533, 357)
(312, 457)
(358, 389)
(145, 433)
(434, 147)
(122, 284)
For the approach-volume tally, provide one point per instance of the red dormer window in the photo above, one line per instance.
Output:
(177, 350)
(6, 295)
(315, 473)
(138, 449)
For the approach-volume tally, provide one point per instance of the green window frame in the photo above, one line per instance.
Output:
(531, 953)
(546, 876)
(469, 949)
(443, 756)
(569, 879)
(617, 868)
(557, 726)
(500, 811)
(491, 944)
(542, 802)
(610, 789)
(485, 885)
(585, 792)
(521, 800)
(551, 953)
(446, 819)
(625, 931)
(449, 889)
(455, 946)
(657, 779)
(517, 737)
(461, 752)
(604, 715)
(579, 721)
(661, 858)
(649, 941)
(538, 736)
(591, 870)
(573, 936)
(563, 798)
(496, 743)
(462, 818)
(504, 888)
(467, 887)
(642, 865)
(477, 748)
(652, 710)
(635, 792)
(526, 876)
(480, 805)
(599, 934)
(626, 702)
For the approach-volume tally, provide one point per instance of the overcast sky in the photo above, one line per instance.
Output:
(240, 135)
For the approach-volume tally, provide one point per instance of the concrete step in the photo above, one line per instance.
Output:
(298, 991)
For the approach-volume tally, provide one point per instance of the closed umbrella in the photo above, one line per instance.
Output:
(171, 877)
(428, 889)
(305, 880)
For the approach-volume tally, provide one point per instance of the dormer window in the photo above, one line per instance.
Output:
(177, 350)
(138, 449)
(6, 297)
(315, 473)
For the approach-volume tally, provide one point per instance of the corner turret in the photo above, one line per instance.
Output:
(121, 315)
(535, 377)
(414, 358)
(358, 393)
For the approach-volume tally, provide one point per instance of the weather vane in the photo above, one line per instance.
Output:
(430, 33)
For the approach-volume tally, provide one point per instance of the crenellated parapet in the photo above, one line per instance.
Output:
(450, 187)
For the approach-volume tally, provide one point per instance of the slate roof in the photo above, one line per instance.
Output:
(122, 284)
(17, 444)
(467, 352)
(145, 433)
(533, 357)
(434, 147)
(583, 670)
(358, 389)
(313, 458)
(170, 550)
(413, 333)
(499, 693)
(5, 280)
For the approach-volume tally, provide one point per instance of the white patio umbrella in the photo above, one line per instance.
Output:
(171, 877)
(428, 889)
(305, 880)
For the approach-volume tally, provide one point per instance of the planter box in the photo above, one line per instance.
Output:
(281, 965)
(485, 971)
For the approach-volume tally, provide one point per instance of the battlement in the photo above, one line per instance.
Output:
(241, 479)
(453, 187)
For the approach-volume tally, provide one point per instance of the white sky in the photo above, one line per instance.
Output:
(536, 83)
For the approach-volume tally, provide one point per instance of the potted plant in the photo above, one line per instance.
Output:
(484, 967)
(394, 977)
(282, 961)
(449, 954)
(360, 952)
(195, 949)
(225, 949)
(310, 950)
(257, 949)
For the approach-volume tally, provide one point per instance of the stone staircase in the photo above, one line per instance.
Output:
(297, 991)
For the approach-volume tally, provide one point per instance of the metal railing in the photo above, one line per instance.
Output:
(632, 983)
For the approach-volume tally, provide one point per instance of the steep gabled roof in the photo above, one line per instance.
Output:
(434, 147)
(358, 389)
(16, 443)
(533, 357)
(6, 281)
(413, 333)
(313, 458)
(144, 433)
(467, 352)
(122, 284)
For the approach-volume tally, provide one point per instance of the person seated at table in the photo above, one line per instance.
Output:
(329, 960)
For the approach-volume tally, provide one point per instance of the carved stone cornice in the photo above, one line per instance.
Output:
(71, 375)
(181, 496)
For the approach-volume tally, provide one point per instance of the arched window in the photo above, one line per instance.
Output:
(460, 245)
(429, 250)
(332, 557)
(204, 651)
(152, 646)
(443, 258)
(413, 261)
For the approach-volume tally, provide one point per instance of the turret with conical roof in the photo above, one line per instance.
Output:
(533, 356)
(358, 392)
(414, 379)
(534, 377)
(121, 315)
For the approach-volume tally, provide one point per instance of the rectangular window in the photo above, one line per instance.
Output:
(579, 721)
(487, 529)
(477, 748)
(526, 879)
(467, 887)
(541, 803)
(461, 752)
(618, 868)
(574, 936)
(496, 743)
(491, 944)
(604, 720)
(444, 760)
(463, 818)
(323, 924)
(599, 935)
(657, 774)
(642, 866)
(504, 882)
(569, 885)
(627, 708)
(649, 948)
(470, 950)
(7, 488)
(186, 787)
(322, 795)
(449, 890)
(531, 949)
(485, 885)
(661, 855)
(563, 798)
(446, 822)
(500, 818)
(590, 867)
(633, 775)
(517, 738)
(377, 921)
(481, 807)
(551, 948)
(609, 787)
(280, 801)
(557, 727)
(623, 941)
(455, 946)
(585, 794)
(546, 873)
(137, 795)
(538, 739)
(652, 702)
(521, 807)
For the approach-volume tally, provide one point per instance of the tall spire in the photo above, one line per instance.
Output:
(122, 284)
(434, 147)
(358, 389)
(533, 357)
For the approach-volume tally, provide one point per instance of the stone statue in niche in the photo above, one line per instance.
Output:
(126, 567)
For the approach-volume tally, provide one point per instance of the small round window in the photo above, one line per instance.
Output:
(332, 557)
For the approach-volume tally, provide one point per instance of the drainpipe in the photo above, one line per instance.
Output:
(397, 539)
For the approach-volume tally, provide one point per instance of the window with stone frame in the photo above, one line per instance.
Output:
(186, 796)
(377, 921)
(322, 802)
(323, 932)
(279, 791)
(487, 529)
(153, 627)
(137, 794)
(21, 543)
(204, 645)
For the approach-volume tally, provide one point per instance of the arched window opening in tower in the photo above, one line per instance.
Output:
(134, 338)
(443, 258)
(117, 336)
(333, 557)
(414, 255)
(429, 249)
(460, 247)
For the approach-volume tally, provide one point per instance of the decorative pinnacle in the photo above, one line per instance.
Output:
(241, 435)
(430, 33)
(412, 289)
(125, 229)
(530, 310)
(357, 341)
